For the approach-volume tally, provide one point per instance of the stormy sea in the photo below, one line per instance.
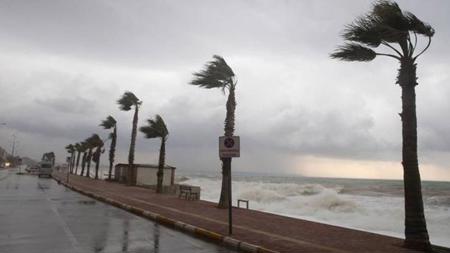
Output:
(371, 205)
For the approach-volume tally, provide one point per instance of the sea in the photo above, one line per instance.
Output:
(364, 204)
(371, 205)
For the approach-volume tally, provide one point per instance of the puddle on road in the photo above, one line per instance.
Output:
(86, 202)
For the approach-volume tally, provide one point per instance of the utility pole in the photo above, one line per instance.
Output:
(13, 145)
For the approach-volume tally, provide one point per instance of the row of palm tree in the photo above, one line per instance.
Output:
(386, 25)
(92, 147)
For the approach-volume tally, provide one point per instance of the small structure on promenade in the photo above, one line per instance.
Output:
(143, 174)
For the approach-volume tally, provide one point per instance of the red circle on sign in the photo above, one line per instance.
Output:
(228, 142)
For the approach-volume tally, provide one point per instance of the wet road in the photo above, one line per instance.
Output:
(38, 215)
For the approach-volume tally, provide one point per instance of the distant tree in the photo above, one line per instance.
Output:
(156, 128)
(78, 149)
(49, 157)
(387, 25)
(84, 149)
(97, 143)
(90, 144)
(217, 74)
(126, 103)
(109, 123)
(71, 150)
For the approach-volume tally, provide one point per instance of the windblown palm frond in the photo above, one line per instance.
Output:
(156, 128)
(95, 141)
(108, 123)
(70, 148)
(217, 74)
(127, 101)
(385, 25)
(354, 52)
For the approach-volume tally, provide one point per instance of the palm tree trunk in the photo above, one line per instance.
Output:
(132, 146)
(97, 161)
(89, 158)
(226, 162)
(83, 163)
(416, 234)
(133, 136)
(112, 151)
(78, 162)
(162, 158)
(72, 162)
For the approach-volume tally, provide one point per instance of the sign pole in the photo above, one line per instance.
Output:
(230, 202)
(229, 146)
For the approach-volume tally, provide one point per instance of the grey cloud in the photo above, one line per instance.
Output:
(70, 61)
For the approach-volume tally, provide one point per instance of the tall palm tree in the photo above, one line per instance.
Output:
(387, 25)
(217, 74)
(90, 144)
(156, 128)
(97, 143)
(78, 149)
(71, 150)
(109, 123)
(84, 149)
(126, 103)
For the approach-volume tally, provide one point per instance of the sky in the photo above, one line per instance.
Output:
(64, 64)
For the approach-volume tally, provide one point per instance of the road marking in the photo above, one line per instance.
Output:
(73, 240)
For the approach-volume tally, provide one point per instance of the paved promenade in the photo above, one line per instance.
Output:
(273, 233)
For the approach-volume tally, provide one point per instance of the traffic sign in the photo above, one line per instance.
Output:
(229, 146)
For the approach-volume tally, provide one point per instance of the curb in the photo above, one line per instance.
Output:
(181, 226)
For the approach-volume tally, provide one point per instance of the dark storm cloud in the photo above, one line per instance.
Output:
(64, 64)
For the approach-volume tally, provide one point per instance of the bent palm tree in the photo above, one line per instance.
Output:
(96, 142)
(90, 145)
(156, 128)
(71, 150)
(84, 149)
(217, 74)
(389, 26)
(126, 102)
(109, 123)
(78, 150)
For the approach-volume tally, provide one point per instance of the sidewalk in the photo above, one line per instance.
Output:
(272, 233)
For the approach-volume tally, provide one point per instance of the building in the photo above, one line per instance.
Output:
(143, 174)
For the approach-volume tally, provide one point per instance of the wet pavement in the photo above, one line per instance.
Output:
(38, 215)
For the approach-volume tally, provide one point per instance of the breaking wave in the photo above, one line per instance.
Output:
(370, 212)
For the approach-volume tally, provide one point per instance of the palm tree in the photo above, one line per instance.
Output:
(109, 123)
(96, 142)
(90, 144)
(217, 74)
(156, 128)
(84, 149)
(71, 150)
(387, 25)
(78, 149)
(126, 103)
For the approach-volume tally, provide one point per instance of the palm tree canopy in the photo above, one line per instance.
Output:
(128, 100)
(108, 123)
(217, 74)
(77, 147)
(385, 25)
(70, 148)
(155, 128)
(95, 141)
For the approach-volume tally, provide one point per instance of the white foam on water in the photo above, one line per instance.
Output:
(378, 214)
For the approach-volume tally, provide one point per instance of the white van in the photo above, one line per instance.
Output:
(45, 169)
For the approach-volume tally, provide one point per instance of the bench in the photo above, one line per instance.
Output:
(186, 192)
(243, 201)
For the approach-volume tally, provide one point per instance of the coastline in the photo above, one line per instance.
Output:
(269, 231)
